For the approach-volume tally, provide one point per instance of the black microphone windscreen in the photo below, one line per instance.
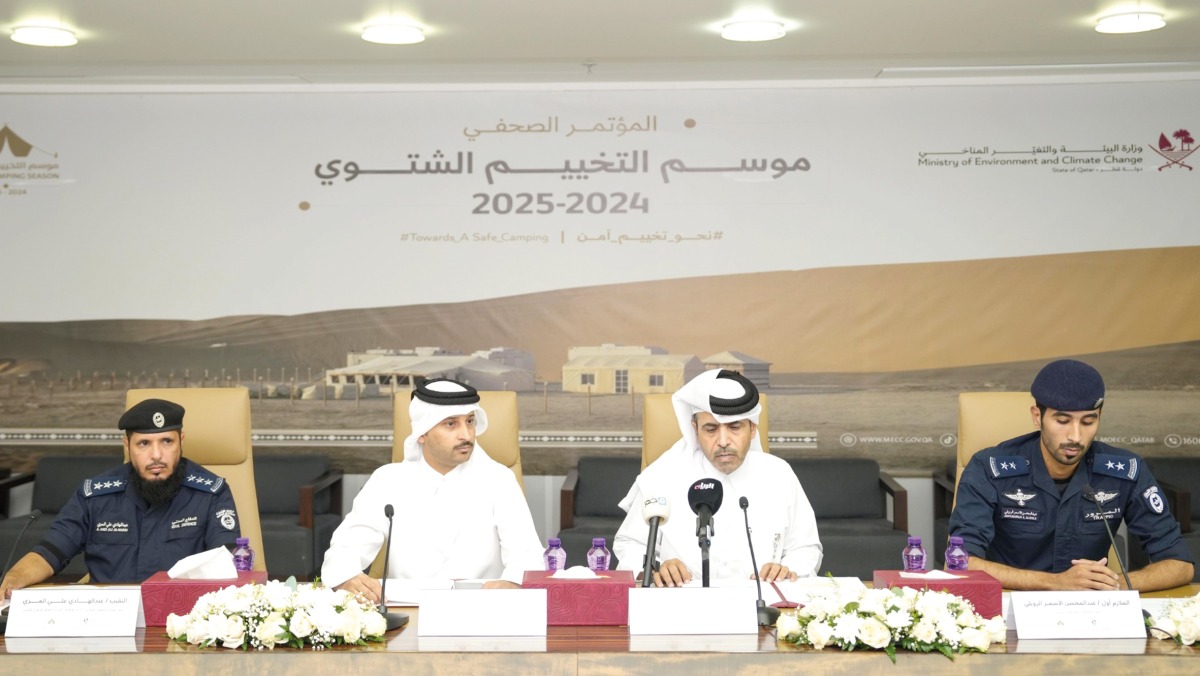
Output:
(388, 511)
(35, 515)
(708, 492)
(1089, 492)
(743, 502)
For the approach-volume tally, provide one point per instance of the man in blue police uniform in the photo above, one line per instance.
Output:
(1030, 510)
(140, 518)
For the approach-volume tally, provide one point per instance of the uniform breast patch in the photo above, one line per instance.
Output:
(1020, 497)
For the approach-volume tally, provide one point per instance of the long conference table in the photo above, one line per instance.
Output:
(582, 650)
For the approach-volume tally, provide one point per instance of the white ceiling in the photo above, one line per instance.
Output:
(257, 42)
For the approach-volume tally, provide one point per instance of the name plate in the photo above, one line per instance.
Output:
(692, 610)
(1078, 614)
(482, 612)
(48, 612)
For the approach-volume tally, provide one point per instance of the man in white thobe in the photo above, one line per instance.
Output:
(718, 415)
(458, 513)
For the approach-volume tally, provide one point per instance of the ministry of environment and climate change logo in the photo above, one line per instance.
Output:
(1175, 155)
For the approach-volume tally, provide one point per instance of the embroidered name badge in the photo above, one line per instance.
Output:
(1008, 465)
(1020, 497)
(228, 518)
(1116, 465)
(185, 522)
(1154, 499)
(1020, 514)
(112, 527)
(1108, 514)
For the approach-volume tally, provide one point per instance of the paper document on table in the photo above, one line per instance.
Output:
(790, 593)
(408, 592)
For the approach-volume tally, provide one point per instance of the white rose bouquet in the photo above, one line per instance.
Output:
(891, 619)
(1179, 620)
(277, 613)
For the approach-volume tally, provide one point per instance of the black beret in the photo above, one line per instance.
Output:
(1068, 385)
(152, 415)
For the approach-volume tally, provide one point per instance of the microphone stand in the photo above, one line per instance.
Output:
(394, 620)
(1090, 494)
(33, 516)
(767, 615)
(648, 563)
(704, 529)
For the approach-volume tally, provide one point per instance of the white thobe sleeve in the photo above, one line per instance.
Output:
(802, 552)
(520, 549)
(360, 536)
(629, 544)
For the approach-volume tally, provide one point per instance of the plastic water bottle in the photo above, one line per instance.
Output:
(914, 555)
(956, 554)
(243, 556)
(598, 556)
(555, 556)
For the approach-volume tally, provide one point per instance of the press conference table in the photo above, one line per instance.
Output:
(581, 650)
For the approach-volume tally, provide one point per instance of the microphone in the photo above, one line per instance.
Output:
(33, 516)
(394, 620)
(655, 512)
(1090, 494)
(767, 615)
(704, 497)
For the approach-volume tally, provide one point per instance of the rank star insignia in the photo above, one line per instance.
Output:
(1120, 466)
(1111, 464)
(191, 477)
(1020, 496)
(1103, 497)
(117, 484)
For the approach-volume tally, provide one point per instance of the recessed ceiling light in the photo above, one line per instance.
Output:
(393, 33)
(44, 36)
(1130, 22)
(758, 30)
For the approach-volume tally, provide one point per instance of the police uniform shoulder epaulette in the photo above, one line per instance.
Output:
(103, 485)
(1007, 465)
(201, 479)
(1120, 466)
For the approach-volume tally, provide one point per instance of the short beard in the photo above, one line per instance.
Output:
(157, 493)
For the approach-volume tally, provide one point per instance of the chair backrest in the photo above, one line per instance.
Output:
(279, 478)
(987, 418)
(660, 428)
(841, 488)
(59, 476)
(603, 482)
(216, 428)
(501, 441)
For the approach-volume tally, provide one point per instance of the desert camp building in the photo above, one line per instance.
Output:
(381, 371)
(619, 369)
(756, 370)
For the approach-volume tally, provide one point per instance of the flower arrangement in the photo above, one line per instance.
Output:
(277, 613)
(1179, 619)
(891, 619)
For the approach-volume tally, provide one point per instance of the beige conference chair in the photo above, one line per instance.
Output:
(988, 418)
(660, 428)
(501, 441)
(216, 428)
